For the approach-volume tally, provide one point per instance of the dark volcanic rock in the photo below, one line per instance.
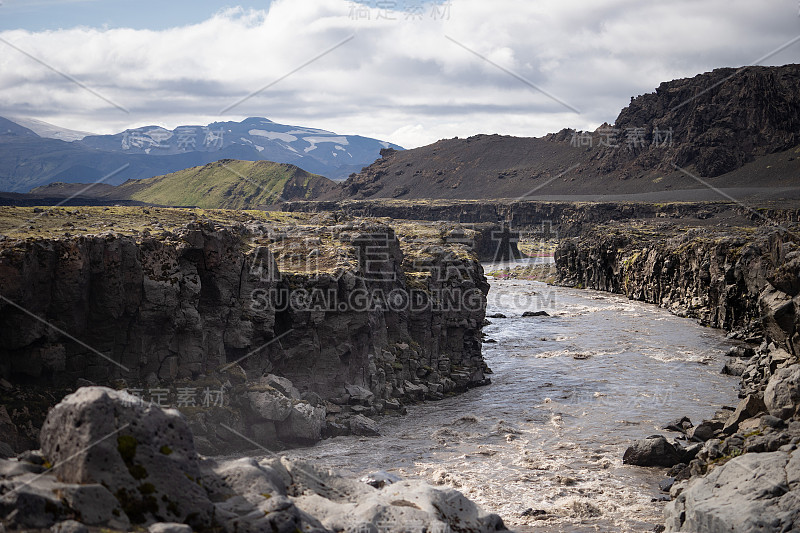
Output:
(719, 120)
(528, 314)
(176, 312)
(652, 451)
(715, 276)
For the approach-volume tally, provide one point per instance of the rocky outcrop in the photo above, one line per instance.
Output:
(723, 279)
(754, 492)
(197, 316)
(717, 121)
(110, 461)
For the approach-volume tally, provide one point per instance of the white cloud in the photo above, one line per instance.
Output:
(399, 80)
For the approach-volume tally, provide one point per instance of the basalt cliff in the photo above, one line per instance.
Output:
(286, 329)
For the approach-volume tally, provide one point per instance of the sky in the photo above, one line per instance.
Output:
(410, 72)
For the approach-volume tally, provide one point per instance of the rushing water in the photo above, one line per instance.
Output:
(568, 394)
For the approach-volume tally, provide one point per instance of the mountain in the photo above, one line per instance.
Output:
(224, 184)
(29, 160)
(11, 130)
(734, 128)
(49, 131)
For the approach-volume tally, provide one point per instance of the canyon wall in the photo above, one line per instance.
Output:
(354, 321)
(745, 280)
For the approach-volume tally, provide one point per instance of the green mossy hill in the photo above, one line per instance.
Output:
(228, 184)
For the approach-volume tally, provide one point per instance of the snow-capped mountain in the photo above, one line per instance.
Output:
(49, 131)
(319, 151)
(34, 153)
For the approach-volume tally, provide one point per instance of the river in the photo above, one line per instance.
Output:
(568, 394)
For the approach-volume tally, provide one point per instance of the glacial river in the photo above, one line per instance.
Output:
(569, 392)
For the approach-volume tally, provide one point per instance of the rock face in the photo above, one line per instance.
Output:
(118, 463)
(721, 278)
(326, 307)
(754, 492)
(719, 120)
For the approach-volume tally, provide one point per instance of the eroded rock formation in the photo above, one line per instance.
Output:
(355, 320)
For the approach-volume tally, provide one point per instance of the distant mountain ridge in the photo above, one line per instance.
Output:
(29, 160)
(726, 129)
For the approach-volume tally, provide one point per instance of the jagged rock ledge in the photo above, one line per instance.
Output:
(285, 329)
(739, 471)
(111, 461)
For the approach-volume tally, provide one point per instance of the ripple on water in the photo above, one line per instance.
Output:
(542, 445)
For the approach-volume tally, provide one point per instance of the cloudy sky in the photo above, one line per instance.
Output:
(406, 71)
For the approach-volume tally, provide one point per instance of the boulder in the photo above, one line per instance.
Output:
(681, 425)
(782, 395)
(270, 404)
(361, 425)
(777, 313)
(247, 477)
(652, 451)
(771, 421)
(734, 367)
(359, 394)
(282, 384)
(142, 454)
(748, 407)
(304, 424)
(707, 429)
(30, 506)
(529, 314)
(752, 492)
(741, 352)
